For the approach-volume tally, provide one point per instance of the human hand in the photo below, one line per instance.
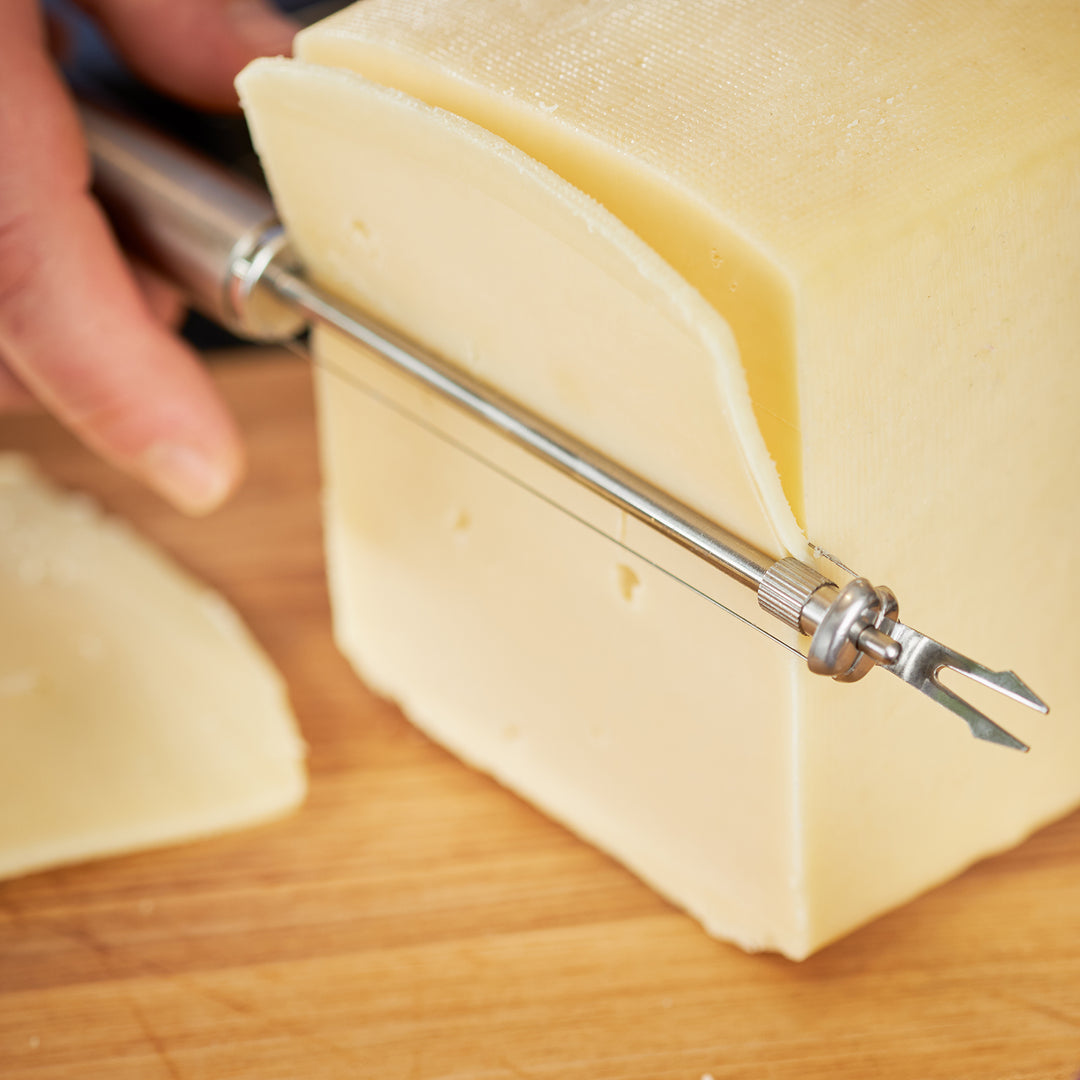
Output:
(81, 330)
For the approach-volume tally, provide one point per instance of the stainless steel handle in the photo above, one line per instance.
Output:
(205, 229)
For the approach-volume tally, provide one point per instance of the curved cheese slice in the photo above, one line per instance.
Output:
(135, 710)
(593, 329)
(896, 189)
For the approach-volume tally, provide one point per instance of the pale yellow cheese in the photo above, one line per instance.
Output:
(884, 208)
(135, 709)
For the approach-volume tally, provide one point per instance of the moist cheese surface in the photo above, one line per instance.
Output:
(135, 709)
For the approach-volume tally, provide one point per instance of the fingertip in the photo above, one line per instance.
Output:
(185, 445)
(192, 476)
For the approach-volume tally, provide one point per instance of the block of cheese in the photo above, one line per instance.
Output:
(135, 709)
(812, 271)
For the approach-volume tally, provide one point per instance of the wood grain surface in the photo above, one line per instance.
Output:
(417, 921)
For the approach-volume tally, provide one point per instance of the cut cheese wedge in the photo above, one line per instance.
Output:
(135, 709)
(762, 241)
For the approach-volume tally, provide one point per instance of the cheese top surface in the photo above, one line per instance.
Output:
(814, 127)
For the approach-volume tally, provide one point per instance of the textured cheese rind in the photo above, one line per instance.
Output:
(135, 709)
(814, 128)
(910, 179)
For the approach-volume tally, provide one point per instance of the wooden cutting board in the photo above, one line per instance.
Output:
(417, 921)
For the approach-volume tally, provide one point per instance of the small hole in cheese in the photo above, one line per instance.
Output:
(628, 582)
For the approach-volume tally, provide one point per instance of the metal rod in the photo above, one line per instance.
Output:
(722, 549)
(216, 238)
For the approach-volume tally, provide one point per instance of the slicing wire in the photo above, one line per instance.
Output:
(220, 241)
(354, 381)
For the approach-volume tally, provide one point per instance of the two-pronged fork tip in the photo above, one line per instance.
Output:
(1012, 686)
(921, 662)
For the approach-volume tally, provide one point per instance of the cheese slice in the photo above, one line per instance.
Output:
(831, 285)
(135, 709)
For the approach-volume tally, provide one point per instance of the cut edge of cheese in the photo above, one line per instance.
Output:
(136, 709)
(644, 806)
(715, 332)
(731, 272)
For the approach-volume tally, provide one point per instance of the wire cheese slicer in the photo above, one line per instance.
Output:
(219, 239)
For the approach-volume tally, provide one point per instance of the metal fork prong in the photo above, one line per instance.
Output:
(920, 663)
(982, 727)
(1007, 682)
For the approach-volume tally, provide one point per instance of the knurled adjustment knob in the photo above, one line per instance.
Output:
(786, 587)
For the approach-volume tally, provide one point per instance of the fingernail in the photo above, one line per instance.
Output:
(187, 477)
(262, 28)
